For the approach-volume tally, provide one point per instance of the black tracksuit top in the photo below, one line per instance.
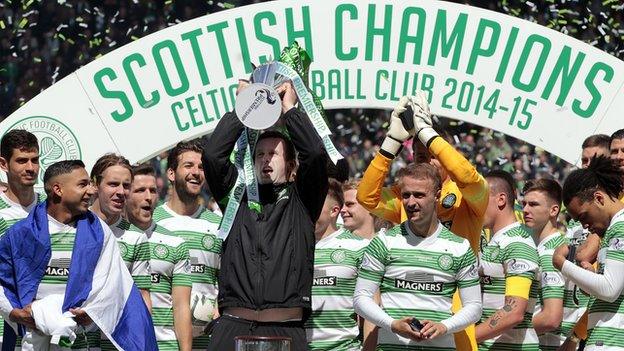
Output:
(267, 260)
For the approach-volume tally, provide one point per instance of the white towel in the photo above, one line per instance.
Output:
(52, 324)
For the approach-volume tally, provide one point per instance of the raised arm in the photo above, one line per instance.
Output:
(472, 185)
(220, 172)
(311, 179)
(371, 194)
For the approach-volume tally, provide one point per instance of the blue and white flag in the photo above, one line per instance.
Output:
(98, 281)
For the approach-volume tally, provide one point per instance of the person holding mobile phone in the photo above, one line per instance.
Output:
(418, 266)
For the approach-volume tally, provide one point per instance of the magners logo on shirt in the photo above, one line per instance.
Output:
(418, 286)
(324, 281)
(197, 267)
(59, 267)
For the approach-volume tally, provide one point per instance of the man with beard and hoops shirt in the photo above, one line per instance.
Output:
(169, 264)
(185, 217)
(267, 260)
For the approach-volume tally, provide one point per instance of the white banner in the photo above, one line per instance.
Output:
(478, 66)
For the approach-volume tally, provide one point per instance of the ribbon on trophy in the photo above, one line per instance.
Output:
(259, 107)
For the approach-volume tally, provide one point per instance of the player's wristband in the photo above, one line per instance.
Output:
(390, 147)
(426, 135)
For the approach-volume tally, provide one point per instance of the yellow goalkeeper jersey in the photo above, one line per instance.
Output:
(463, 199)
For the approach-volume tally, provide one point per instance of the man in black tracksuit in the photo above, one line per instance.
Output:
(267, 260)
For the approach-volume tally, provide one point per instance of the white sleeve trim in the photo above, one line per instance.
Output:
(366, 307)
(469, 313)
(607, 286)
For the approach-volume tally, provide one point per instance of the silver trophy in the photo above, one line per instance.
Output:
(259, 105)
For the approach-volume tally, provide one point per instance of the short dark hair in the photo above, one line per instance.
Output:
(106, 161)
(19, 139)
(144, 169)
(503, 182)
(550, 187)
(618, 134)
(57, 169)
(182, 147)
(421, 170)
(335, 191)
(597, 140)
(289, 148)
(602, 173)
(338, 171)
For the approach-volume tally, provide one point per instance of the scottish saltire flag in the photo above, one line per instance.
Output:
(98, 280)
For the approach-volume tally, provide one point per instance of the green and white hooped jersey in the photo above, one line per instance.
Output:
(333, 324)
(200, 233)
(10, 213)
(134, 250)
(554, 285)
(606, 319)
(62, 237)
(511, 252)
(418, 277)
(170, 267)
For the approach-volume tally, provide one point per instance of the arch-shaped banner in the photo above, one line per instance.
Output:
(476, 65)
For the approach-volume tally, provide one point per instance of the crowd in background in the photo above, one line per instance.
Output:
(41, 41)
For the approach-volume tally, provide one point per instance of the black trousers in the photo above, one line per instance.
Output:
(225, 328)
